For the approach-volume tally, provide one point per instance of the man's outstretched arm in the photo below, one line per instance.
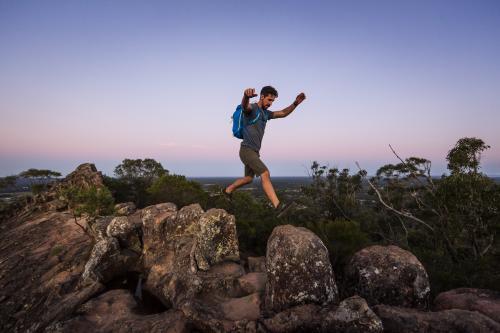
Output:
(286, 111)
(247, 94)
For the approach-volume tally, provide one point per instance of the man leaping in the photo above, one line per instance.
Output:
(252, 140)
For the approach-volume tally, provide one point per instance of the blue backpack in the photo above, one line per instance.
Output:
(239, 121)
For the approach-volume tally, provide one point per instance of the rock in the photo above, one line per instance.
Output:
(108, 261)
(125, 231)
(206, 318)
(221, 280)
(352, 315)
(217, 240)
(177, 243)
(101, 264)
(154, 233)
(84, 176)
(168, 251)
(42, 258)
(125, 208)
(66, 306)
(56, 205)
(115, 311)
(405, 320)
(97, 227)
(301, 318)
(388, 275)
(119, 227)
(247, 307)
(298, 270)
(253, 282)
(246, 326)
(257, 264)
(484, 301)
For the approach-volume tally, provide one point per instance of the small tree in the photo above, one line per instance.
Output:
(39, 178)
(465, 157)
(7, 181)
(91, 202)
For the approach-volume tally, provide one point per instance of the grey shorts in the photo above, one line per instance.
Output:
(253, 164)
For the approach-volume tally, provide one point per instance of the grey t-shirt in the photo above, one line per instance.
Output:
(253, 134)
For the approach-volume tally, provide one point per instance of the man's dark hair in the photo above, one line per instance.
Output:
(268, 90)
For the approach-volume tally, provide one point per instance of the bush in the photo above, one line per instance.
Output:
(90, 201)
(177, 189)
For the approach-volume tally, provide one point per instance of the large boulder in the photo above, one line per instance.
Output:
(388, 275)
(154, 223)
(298, 270)
(216, 239)
(406, 320)
(481, 300)
(168, 251)
(177, 244)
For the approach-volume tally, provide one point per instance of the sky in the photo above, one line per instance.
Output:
(100, 81)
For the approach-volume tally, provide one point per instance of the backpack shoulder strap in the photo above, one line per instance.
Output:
(253, 121)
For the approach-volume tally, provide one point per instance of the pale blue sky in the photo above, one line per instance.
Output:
(101, 81)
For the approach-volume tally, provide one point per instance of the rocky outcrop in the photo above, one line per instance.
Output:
(484, 301)
(55, 277)
(116, 311)
(388, 275)
(84, 176)
(298, 270)
(407, 320)
(42, 258)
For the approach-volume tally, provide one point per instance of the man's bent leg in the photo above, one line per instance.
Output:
(268, 188)
(238, 183)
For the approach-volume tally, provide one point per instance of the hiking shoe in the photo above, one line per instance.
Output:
(284, 209)
(227, 196)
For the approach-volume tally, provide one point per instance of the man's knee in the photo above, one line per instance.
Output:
(265, 175)
(248, 179)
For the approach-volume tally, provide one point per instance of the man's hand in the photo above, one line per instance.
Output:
(299, 99)
(250, 92)
(247, 94)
